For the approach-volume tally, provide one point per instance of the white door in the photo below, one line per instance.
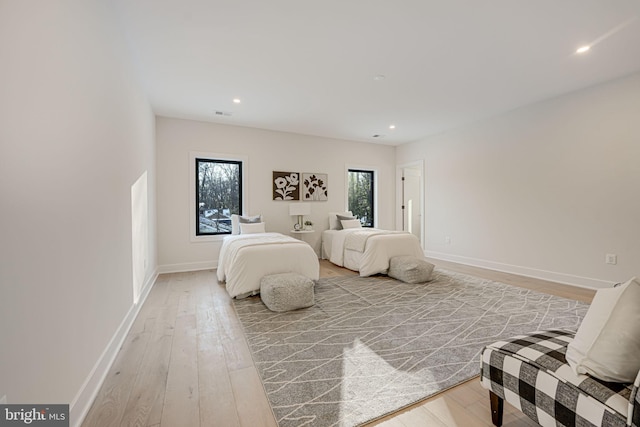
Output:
(411, 200)
(412, 216)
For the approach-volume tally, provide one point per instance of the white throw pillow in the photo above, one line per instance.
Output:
(334, 223)
(351, 223)
(237, 219)
(343, 218)
(607, 344)
(251, 227)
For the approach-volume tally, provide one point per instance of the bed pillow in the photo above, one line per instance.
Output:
(250, 219)
(237, 219)
(350, 223)
(607, 343)
(251, 227)
(343, 218)
(334, 222)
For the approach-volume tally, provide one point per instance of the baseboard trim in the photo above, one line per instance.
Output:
(81, 404)
(187, 266)
(567, 279)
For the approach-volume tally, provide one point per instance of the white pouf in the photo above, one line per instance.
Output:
(410, 269)
(286, 291)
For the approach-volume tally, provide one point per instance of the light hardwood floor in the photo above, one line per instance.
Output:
(185, 362)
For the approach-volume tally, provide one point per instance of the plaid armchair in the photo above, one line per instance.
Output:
(531, 373)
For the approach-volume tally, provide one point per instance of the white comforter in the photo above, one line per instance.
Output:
(368, 250)
(244, 259)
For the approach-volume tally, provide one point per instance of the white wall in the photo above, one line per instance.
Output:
(76, 132)
(267, 151)
(545, 190)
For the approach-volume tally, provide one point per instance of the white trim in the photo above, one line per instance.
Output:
(187, 266)
(567, 279)
(83, 400)
(192, 195)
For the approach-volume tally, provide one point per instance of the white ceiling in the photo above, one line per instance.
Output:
(308, 67)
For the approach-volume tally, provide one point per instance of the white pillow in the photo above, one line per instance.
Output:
(351, 223)
(251, 227)
(334, 223)
(607, 343)
(237, 219)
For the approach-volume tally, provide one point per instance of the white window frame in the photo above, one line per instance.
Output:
(193, 155)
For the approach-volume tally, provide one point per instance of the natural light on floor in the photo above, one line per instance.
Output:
(365, 380)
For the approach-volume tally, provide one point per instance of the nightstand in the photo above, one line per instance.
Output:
(299, 234)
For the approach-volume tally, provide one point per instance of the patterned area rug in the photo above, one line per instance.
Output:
(371, 346)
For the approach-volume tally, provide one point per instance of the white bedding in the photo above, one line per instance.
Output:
(244, 259)
(368, 250)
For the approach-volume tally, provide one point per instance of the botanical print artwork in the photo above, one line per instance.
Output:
(286, 186)
(314, 186)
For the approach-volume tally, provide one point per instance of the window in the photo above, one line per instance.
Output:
(360, 193)
(218, 195)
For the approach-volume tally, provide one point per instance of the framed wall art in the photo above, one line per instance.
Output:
(314, 187)
(286, 185)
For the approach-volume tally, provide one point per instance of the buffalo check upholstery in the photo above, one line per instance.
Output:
(531, 373)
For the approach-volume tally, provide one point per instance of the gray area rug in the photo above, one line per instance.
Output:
(373, 345)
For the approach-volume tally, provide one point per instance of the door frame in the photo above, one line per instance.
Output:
(418, 164)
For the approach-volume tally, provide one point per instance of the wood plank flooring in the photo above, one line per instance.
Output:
(185, 362)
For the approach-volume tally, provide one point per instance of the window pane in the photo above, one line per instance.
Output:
(361, 195)
(218, 195)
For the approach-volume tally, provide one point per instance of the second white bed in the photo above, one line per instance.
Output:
(372, 251)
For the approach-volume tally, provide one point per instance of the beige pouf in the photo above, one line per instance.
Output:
(286, 291)
(410, 269)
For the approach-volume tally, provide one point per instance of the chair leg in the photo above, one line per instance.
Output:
(497, 406)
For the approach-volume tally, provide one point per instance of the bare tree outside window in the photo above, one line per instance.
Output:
(361, 195)
(218, 195)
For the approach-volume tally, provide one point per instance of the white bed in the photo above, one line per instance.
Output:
(245, 258)
(367, 250)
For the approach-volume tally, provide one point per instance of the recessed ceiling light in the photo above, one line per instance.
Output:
(392, 126)
(236, 100)
(379, 77)
(583, 49)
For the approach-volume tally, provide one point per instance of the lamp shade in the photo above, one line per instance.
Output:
(299, 209)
